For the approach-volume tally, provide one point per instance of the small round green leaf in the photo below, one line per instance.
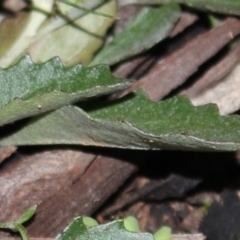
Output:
(131, 224)
(89, 222)
(164, 233)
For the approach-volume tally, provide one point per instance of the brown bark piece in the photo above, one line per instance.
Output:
(31, 180)
(220, 84)
(225, 93)
(125, 16)
(173, 70)
(6, 152)
(155, 190)
(185, 20)
(136, 67)
(101, 180)
(216, 72)
(132, 69)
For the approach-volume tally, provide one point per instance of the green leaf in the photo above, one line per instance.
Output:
(136, 123)
(111, 231)
(27, 214)
(22, 231)
(131, 224)
(149, 27)
(220, 6)
(164, 233)
(29, 89)
(17, 226)
(76, 41)
(89, 222)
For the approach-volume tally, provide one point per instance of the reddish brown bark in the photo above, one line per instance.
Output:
(30, 180)
(175, 69)
(216, 72)
(101, 180)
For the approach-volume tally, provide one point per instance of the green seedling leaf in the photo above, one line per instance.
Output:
(136, 123)
(29, 89)
(27, 215)
(131, 224)
(89, 222)
(111, 231)
(76, 41)
(17, 226)
(150, 27)
(16, 33)
(164, 233)
(75, 231)
(220, 6)
(23, 232)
